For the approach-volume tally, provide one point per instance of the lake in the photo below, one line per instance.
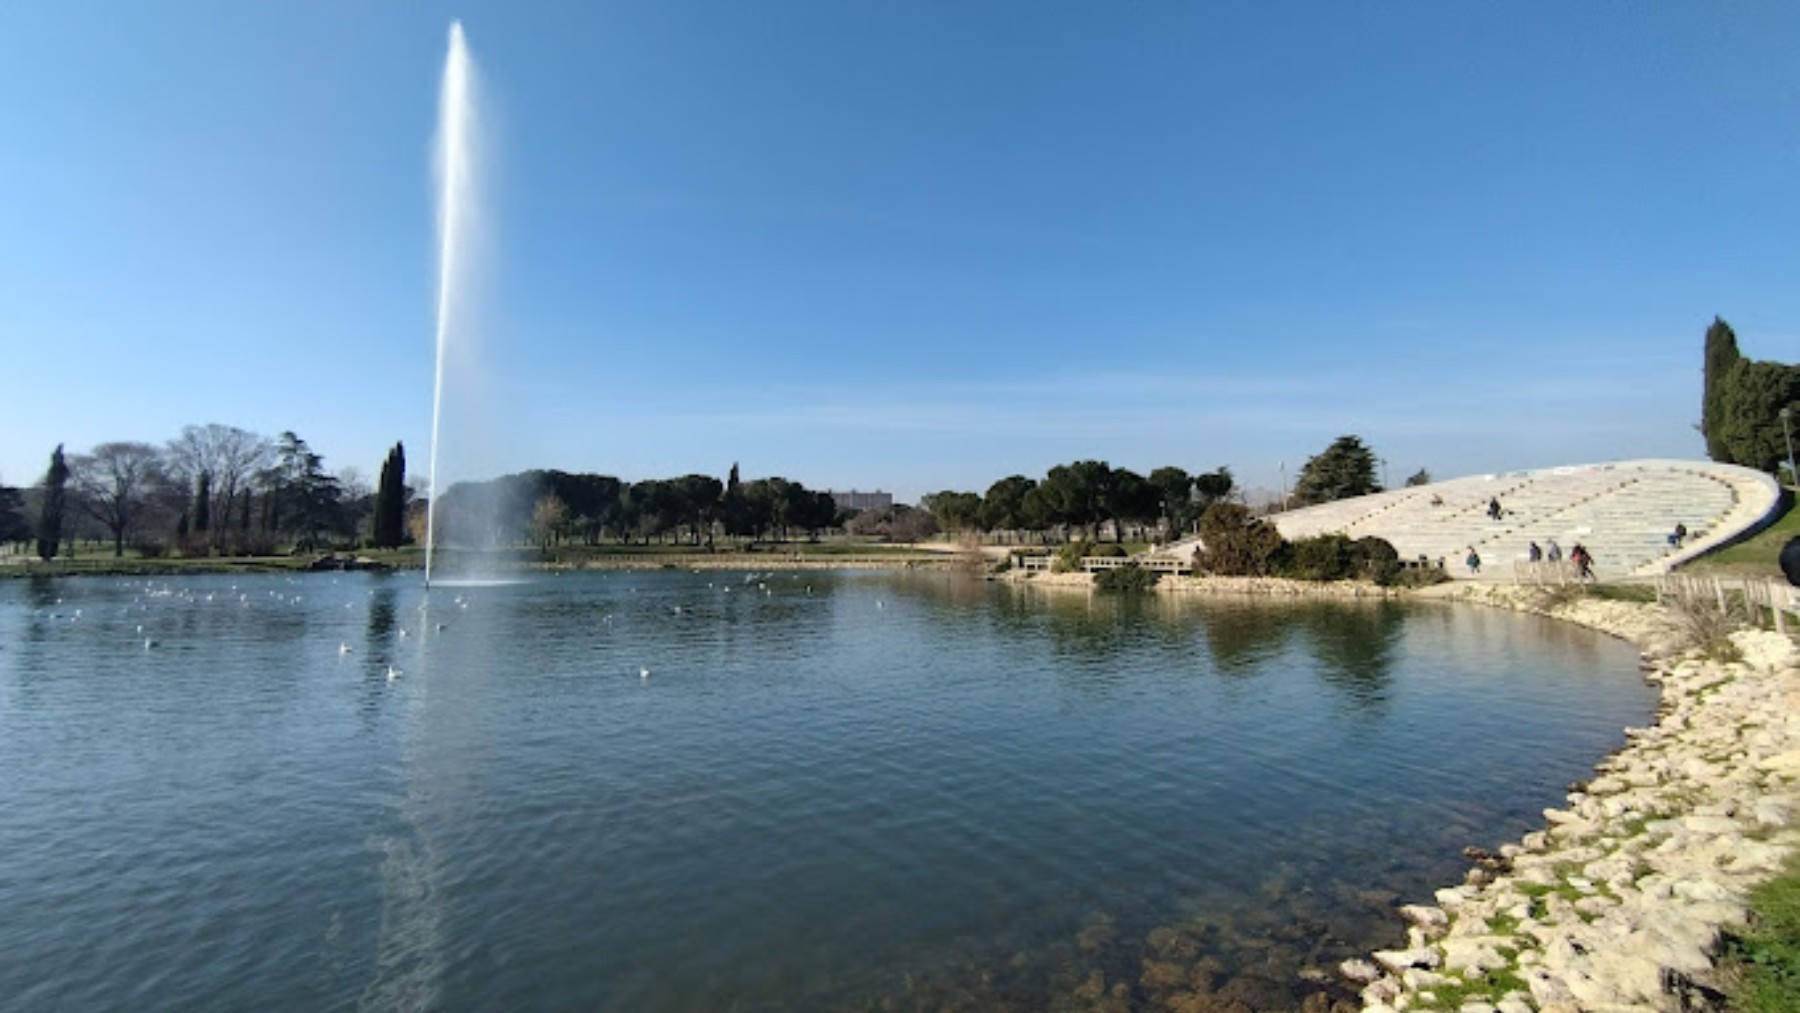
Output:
(718, 791)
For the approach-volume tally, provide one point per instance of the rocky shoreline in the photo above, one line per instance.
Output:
(1619, 902)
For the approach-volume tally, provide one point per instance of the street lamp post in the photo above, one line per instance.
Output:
(1793, 476)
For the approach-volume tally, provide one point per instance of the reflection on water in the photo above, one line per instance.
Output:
(834, 791)
(1355, 647)
(1240, 637)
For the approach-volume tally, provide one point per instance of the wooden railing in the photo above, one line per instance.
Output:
(1092, 564)
(1753, 599)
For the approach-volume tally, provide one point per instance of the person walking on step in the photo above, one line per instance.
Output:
(1583, 560)
(1474, 561)
(1555, 552)
(1534, 553)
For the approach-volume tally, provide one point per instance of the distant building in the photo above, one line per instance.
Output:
(854, 500)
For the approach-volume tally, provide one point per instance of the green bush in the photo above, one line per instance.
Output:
(1421, 576)
(1126, 578)
(1068, 557)
(1337, 557)
(1236, 543)
(1321, 557)
(1376, 559)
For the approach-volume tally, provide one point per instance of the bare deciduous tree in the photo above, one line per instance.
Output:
(233, 457)
(113, 485)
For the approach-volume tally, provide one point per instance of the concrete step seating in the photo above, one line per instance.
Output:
(1622, 512)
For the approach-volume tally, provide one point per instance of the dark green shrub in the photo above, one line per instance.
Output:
(1336, 557)
(1126, 578)
(1068, 557)
(1376, 559)
(1110, 551)
(1236, 544)
(1419, 576)
(1321, 557)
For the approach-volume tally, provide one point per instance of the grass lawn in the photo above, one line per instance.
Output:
(1755, 557)
(94, 560)
(1762, 966)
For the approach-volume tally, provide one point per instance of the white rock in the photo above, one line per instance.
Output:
(1607, 785)
(1477, 952)
(1432, 920)
(1785, 764)
(1632, 977)
(1360, 971)
(1755, 857)
(1709, 825)
(1400, 960)
(1380, 992)
(1548, 989)
(1418, 979)
(1696, 889)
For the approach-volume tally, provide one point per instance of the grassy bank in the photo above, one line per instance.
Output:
(748, 556)
(1753, 557)
(1762, 965)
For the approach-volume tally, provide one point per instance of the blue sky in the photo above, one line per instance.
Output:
(907, 246)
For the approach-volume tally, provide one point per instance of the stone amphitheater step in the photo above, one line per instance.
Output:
(1622, 512)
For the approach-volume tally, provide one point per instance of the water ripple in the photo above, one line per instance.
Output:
(860, 790)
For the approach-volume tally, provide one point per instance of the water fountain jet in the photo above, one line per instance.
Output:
(455, 191)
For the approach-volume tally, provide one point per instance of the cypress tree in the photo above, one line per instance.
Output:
(378, 531)
(203, 503)
(389, 523)
(1721, 357)
(735, 525)
(50, 519)
(396, 497)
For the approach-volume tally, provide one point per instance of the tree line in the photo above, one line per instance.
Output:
(1742, 401)
(549, 507)
(217, 489)
(1086, 496)
(213, 489)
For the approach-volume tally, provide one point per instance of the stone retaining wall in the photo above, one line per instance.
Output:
(1618, 903)
(1264, 587)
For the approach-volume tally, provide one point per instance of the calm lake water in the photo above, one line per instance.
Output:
(835, 791)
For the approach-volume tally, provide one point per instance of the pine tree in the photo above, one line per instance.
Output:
(50, 518)
(1721, 357)
(1344, 469)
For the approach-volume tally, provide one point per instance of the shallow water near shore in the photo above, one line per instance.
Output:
(678, 791)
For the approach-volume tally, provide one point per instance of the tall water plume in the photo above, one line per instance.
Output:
(454, 163)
